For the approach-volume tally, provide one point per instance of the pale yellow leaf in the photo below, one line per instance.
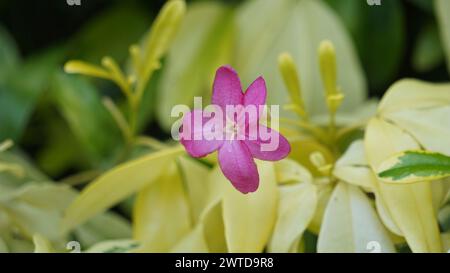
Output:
(411, 205)
(42, 245)
(351, 224)
(117, 184)
(296, 209)
(193, 242)
(161, 213)
(324, 191)
(352, 167)
(249, 219)
(214, 230)
(288, 170)
(195, 176)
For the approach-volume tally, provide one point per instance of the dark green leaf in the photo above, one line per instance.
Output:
(81, 106)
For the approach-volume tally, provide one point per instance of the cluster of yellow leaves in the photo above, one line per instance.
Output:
(183, 205)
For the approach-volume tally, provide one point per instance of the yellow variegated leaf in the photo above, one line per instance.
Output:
(42, 245)
(351, 224)
(411, 205)
(353, 168)
(37, 208)
(249, 219)
(117, 184)
(193, 242)
(414, 166)
(195, 177)
(114, 246)
(296, 209)
(30, 220)
(288, 170)
(45, 196)
(105, 226)
(161, 213)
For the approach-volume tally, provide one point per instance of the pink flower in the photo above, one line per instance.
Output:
(236, 145)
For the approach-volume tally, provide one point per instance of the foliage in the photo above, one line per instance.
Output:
(362, 175)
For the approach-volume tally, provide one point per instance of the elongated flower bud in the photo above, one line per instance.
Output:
(327, 62)
(163, 31)
(80, 67)
(291, 80)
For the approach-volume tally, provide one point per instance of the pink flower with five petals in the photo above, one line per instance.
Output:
(236, 154)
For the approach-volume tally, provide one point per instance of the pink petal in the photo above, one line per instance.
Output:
(196, 137)
(227, 88)
(279, 149)
(256, 93)
(238, 166)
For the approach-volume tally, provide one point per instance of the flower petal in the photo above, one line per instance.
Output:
(256, 93)
(273, 146)
(197, 136)
(227, 88)
(238, 166)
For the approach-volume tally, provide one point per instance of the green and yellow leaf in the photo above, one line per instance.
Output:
(414, 166)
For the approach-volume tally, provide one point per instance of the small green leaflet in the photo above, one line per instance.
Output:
(414, 166)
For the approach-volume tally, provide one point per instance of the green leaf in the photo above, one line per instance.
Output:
(371, 27)
(266, 28)
(441, 8)
(428, 52)
(20, 93)
(81, 106)
(203, 43)
(9, 55)
(414, 166)
(425, 5)
(117, 184)
(110, 33)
